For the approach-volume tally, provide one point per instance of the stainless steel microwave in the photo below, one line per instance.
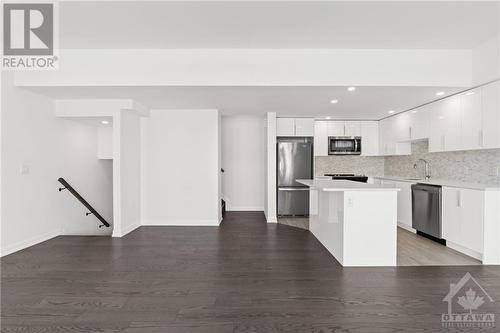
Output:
(344, 145)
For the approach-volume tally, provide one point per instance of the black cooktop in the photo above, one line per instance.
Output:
(348, 176)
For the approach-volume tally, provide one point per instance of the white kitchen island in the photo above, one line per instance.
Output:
(356, 222)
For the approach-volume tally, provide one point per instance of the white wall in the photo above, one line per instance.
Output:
(126, 171)
(243, 154)
(180, 168)
(32, 208)
(270, 162)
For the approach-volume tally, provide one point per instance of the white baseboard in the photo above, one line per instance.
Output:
(272, 219)
(30, 242)
(126, 230)
(406, 227)
(182, 223)
(464, 250)
(244, 209)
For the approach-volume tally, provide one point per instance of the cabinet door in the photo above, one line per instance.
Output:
(336, 128)
(445, 125)
(352, 128)
(304, 126)
(404, 203)
(463, 217)
(369, 138)
(285, 127)
(491, 115)
(419, 123)
(471, 120)
(402, 127)
(471, 203)
(451, 220)
(387, 146)
(320, 138)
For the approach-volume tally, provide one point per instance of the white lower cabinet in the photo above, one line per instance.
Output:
(404, 201)
(463, 218)
(404, 204)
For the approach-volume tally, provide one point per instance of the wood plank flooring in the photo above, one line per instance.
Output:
(245, 276)
(417, 250)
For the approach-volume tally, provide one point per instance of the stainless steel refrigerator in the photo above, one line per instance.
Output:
(294, 162)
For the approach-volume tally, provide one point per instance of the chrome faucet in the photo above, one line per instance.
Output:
(427, 169)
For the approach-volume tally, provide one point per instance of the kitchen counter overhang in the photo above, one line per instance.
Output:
(356, 222)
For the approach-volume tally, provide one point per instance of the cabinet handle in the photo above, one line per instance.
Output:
(481, 138)
(442, 142)
(459, 197)
(410, 132)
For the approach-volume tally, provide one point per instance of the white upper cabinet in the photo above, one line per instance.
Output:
(352, 128)
(285, 127)
(369, 138)
(491, 115)
(304, 127)
(402, 127)
(294, 127)
(471, 130)
(445, 125)
(386, 137)
(336, 128)
(419, 123)
(321, 138)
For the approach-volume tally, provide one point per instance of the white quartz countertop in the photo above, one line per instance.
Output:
(344, 185)
(444, 182)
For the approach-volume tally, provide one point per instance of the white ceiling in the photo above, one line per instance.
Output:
(365, 103)
(264, 24)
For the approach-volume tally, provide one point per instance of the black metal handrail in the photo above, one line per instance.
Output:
(83, 201)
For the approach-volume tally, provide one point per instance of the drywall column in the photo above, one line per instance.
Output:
(126, 172)
(270, 208)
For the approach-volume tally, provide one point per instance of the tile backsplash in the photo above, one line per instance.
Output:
(360, 165)
(478, 166)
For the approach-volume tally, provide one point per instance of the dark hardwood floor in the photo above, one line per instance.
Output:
(246, 276)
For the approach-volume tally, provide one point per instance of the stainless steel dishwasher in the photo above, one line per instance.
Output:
(426, 210)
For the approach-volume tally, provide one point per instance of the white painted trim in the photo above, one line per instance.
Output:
(464, 250)
(126, 230)
(407, 228)
(244, 208)
(272, 219)
(181, 223)
(30, 242)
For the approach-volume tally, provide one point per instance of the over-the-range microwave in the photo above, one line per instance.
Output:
(344, 145)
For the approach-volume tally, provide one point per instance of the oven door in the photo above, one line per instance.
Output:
(344, 145)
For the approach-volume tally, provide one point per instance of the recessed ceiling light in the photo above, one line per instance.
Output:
(440, 93)
(351, 89)
(104, 122)
(391, 111)
(414, 111)
(470, 93)
(334, 101)
(328, 117)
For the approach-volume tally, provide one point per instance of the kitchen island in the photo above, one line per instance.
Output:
(356, 222)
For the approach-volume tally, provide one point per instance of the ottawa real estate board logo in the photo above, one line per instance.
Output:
(30, 32)
(467, 302)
